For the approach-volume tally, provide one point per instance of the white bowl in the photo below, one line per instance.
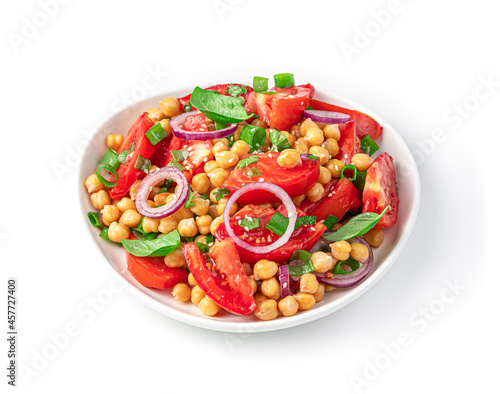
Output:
(162, 300)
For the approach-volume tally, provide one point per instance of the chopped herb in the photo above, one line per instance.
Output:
(285, 80)
(358, 225)
(301, 269)
(180, 155)
(110, 159)
(204, 197)
(189, 202)
(177, 165)
(260, 84)
(209, 238)
(303, 255)
(359, 182)
(235, 90)
(188, 107)
(190, 239)
(160, 246)
(156, 133)
(142, 164)
(94, 219)
(144, 236)
(109, 169)
(278, 224)
(251, 172)
(122, 157)
(330, 222)
(166, 186)
(203, 248)
(278, 140)
(221, 193)
(247, 161)
(305, 221)
(368, 145)
(253, 136)
(249, 223)
(350, 262)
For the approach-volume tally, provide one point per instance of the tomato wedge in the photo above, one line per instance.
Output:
(280, 110)
(222, 90)
(303, 238)
(380, 190)
(152, 272)
(365, 124)
(295, 181)
(226, 284)
(339, 196)
(127, 174)
(349, 143)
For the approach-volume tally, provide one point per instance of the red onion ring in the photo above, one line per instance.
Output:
(282, 195)
(284, 277)
(176, 122)
(146, 185)
(353, 278)
(329, 117)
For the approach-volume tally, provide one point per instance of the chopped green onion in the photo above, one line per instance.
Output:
(253, 136)
(94, 219)
(278, 140)
(249, 224)
(180, 155)
(203, 248)
(188, 107)
(122, 157)
(278, 224)
(312, 157)
(110, 159)
(235, 90)
(251, 172)
(305, 221)
(301, 269)
(104, 235)
(177, 165)
(350, 262)
(249, 160)
(156, 133)
(166, 186)
(330, 222)
(142, 164)
(260, 84)
(359, 182)
(349, 167)
(111, 171)
(368, 145)
(221, 193)
(285, 80)
(303, 255)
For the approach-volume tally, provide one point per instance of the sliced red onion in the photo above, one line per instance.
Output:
(322, 242)
(348, 280)
(282, 195)
(284, 281)
(176, 123)
(329, 117)
(147, 184)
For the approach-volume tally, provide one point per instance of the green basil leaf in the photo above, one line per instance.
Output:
(160, 246)
(249, 160)
(209, 238)
(253, 136)
(235, 90)
(301, 269)
(249, 223)
(203, 248)
(350, 262)
(278, 140)
(303, 255)
(144, 236)
(330, 222)
(357, 226)
(368, 145)
(94, 219)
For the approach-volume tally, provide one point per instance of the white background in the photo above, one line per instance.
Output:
(60, 80)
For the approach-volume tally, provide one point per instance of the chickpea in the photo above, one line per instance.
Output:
(289, 158)
(110, 214)
(340, 250)
(208, 307)
(211, 126)
(320, 293)
(259, 123)
(301, 146)
(210, 166)
(288, 306)
(219, 147)
(154, 191)
(314, 136)
(253, 283)
(298, 200)
(100, 199)
(322, 262)
(375, 237)
(321, 152)
(329, 288)
(222, 140)
(264, 269)
(213, 211)
(270, 288)
(131, 218)
(216, 222)
(191, 280)
(361, 161)
(315, 193)
(306, 125)
(181, 292)
(175, 259)
(151, 203)
(308, 283)
(182, 213)
(259, 297)
(93, 184)
(200, 183)
(305, 300)
(266, 310)
(155, 114)
(218, 176)
(290, 138)
(248, 269)
(118, 231)
(221, 205)
(359, 252)
(167, 225)
(197, 294)
(203, 222)
(114, 141)
(226, 159)
(187, 228)
(336, 226)
(133, 189)
(325, 175)
(241, 148)
(295, 131)
(170, 106)
(332, 131)
(335, 167)
(200, 206)
(150, 225)
(125, 204)
(165, 125)
(201, 239)
(161, 198)
(331, 146)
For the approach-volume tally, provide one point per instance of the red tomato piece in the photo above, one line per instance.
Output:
(152, 272)
(380, 190)
(196, 123)
(310, 87)
(349, 143)
(339, 196)
(159, 158)
(281, 110)
(303, 238)
(295, 181)
(365, 124)
(222, 90)
(226, 284)
(127, 174)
